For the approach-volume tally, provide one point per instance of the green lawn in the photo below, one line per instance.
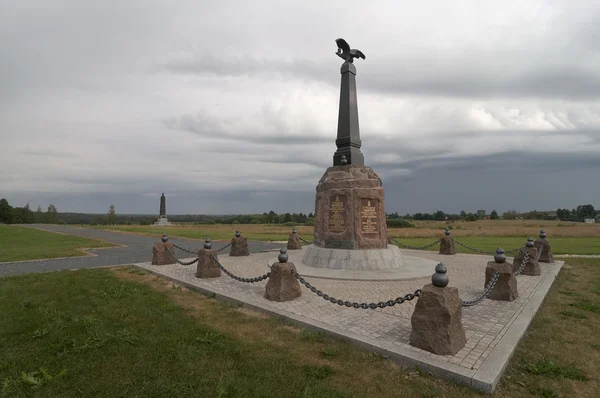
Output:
(122, 332)
(102, 333)
(21, 243)
(491, 243)
(560, 245)
(220, 232)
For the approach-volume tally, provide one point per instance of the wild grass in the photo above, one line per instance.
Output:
(107, 333)
(21, 243)
(556, 357)
(485, 234)
(122, 332)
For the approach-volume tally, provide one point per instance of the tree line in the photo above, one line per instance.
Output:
(578, 214)
(24, 215)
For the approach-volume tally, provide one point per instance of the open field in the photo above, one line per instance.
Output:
(520, 228)
(121, 332)
(267, 232)
(566, 238)
(491, 243)
(20, 243)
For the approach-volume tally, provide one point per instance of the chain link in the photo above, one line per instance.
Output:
(308, 242)
(473, 249)
(540, 249)
(486, 292)
(179, 261)
(354, 304)
(184, 249)
(524, 263)
(416, 247)
(238, 278)
(224, 247)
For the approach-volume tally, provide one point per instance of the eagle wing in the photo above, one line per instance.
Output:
(341, 43)
(359, 54)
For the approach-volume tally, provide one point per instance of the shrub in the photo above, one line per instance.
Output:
(399, 223)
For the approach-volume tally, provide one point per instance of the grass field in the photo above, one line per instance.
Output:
(122, 332)
(20, 243)
(566, 238)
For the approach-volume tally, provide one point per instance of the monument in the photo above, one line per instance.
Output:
(350, 223)
(162, 218)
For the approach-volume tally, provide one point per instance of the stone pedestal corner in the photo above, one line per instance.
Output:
(239, 247)
(282, 284)
(294, 242)
(160, 255)
(543, 245)
(532, 267)
(447, 245)
(207, 268)
(437, 321)
(506, 286)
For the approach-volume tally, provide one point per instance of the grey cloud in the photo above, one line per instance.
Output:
(109, 102)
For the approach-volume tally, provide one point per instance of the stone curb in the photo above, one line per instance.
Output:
(398, 354)
(489, 374)
(484, 379)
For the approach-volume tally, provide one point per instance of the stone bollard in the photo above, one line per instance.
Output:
(543, 245)
(207, 268)
(447, 243)
(294, 241)
(239, 245)
(160, 255)
(506, 286)
(437, 320)
(282, 284)
(533, 266)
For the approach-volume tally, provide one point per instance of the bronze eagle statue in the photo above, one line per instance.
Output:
(346, 53)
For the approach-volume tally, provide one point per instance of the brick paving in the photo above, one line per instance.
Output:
(486, 323)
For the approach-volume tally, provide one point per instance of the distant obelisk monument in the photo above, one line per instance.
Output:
(162, 217)
(349, 204)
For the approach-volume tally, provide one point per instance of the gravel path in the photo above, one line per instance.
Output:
(136, 249)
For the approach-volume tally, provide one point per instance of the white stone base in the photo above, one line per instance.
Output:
(371, 264)
(357, 260)
(162, 222)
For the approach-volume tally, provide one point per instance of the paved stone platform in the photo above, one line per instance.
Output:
(493, 328)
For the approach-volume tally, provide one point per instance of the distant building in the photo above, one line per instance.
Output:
(589, 220)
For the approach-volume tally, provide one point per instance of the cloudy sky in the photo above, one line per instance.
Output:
(231, 106)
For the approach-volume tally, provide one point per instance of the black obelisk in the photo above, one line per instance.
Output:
(348, 134)
(163, 206)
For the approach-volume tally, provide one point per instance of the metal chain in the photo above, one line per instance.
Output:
(308, 242)
(486, 292)
(354, 304)
(179, 261)
(483, 251)
(416, 247)
(524, 263)
(238, 278)
(184, 249)
(224, 247)
(473, 249)
(540, 249)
